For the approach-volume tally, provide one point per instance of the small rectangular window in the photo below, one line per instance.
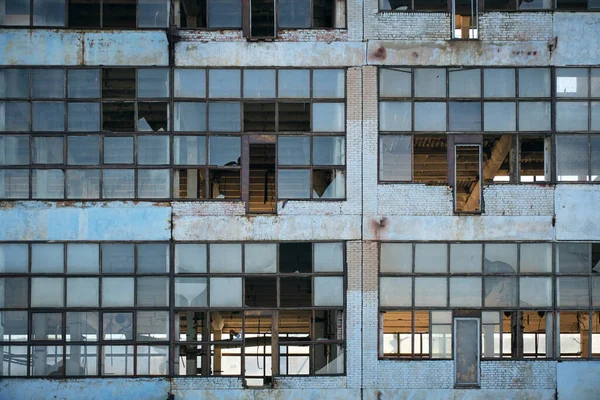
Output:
(224, 14)
(49, 12)
(84, 13)
(262, 18)
(119, 13)
(15, 13)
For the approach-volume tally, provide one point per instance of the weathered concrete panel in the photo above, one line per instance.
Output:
(457, 52)
(62, 47)
(450, 394)
(577, 216)
(578, 35)
(458, 228)
(84, 221)
(578, 380)
(267, 54)
(266, 394)
(84, 389)
(262, 228)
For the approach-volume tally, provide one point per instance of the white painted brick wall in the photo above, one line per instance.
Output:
(206, 383)
(431, 374)
(204, 208)
(519, 26)
(518, 200)
(518, 374)
(414, 199)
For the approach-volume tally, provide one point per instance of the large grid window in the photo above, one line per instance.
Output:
(533, 300)
(109, 309)
(491, 5)
(86, 13)
(125, 133)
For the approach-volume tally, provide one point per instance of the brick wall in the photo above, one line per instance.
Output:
(518, 200)
(414, 199)
(518, 374)
(370, 136)
(520, 26)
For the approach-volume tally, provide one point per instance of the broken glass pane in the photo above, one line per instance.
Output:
(294, 117)
(189, 184)
(329, 184)
(84, 14)
(153, 117)
(224, 184)
(224, 151)
(260, 292)
(295, 258)
(118, 82)
(295, 292)
(189, 150)
(259, 117)
(572, 82)
(534, 159)
(191, 292)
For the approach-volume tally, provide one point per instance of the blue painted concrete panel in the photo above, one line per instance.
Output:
(126, 48)
(84, 221)
(578, 380)
(88, 389)
(40, 47)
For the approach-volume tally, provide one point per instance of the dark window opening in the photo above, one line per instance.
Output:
(571, 5)
(294, 117)
(465, 13)
(119, 13)
(534, 154)
(295, 258)
(500, 5)
(262, 18)
(259, 117)
(189, 184)
(323, 14)
(192, 14)
(467, 184)
(225, 184)
(262, 178)
(295, 292)
(153, 117)
(118, 83)
(430, 160)
(84, 13)
(261, 292)
(497, 161)
(118, 117)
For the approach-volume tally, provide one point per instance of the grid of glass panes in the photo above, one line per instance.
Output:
(419, 106)
(82, 309)
(228, 296)
(119, 14)
(577, 115)
(492, 5)
(531, 292)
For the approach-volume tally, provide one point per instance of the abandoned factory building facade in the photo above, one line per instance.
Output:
(341, 199)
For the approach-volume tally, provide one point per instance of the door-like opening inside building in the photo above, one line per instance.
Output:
(464, 19)
(467, 351)
(261, 351)
(467, 178)
(262, 179)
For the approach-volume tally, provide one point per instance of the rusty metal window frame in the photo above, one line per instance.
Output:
(170, 275)
(552, 331)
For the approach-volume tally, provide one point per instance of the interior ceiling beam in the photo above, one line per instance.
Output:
(490, 169)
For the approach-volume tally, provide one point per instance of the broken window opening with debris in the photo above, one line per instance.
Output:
(465, 17)
(413, 5)
(262, 193)
(467, 178)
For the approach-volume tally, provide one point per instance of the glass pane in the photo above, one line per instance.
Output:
(396, 257)
(82, 292)
(190, 117)
(16, 116)
(82, 326)
(293, 150)
(13, 258)
(153, 150)
(500, 291)
(572, 292)
(117, 360)
(293, 184)
(329, 291)
(465, 258)
(294, 14)
(117, 258)
(395, 158)
(83, 258)
(535, 292)
(224, 117)
(329, 184)
(152, 292)
(14, 326)
(596, 291)
(499, 116)
(260, 258)
(294, 83)
(499, 82)
(430, 117)
(224, 14)
(395, 116)
(83, 117)
(118, 184)
(84, 83)
(328, 257)
(47, 292)
(395, 292)
(48, 116)
(83, 184)
(15, 292)
(153, 14)
(83, 150)
(500, 258)
(536, 258)
(189, 150)
(395, 82)
(465, 116)
(431, 258)
(224, 151)
(224, 83)
(152, 82)
(465, 82)
(46, 358)
(534, 82)
(191, 292)
(117, 326)
(595, 157)
(118, 150)
(153, 258)
(190, 258)
(595, 123)
(46, 326)
(117, 292)
(572, 116)
(48, 150)
(190, 82)
(430, 292)
(467, 365)
(226, 292)
(225, 258)
(465, 292)
(152, 360)
(572, 158)
(153, 183)
(430, 82)
(47, 258)
(48, 184)
(259, 83)
(48, 83)
(82, 361)
(571, 82)
(14, 83)
(573, 258)
(329, 359)
(328, 83)
(49, 12)
(152, 325)
(14, 150)
(328, 117)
